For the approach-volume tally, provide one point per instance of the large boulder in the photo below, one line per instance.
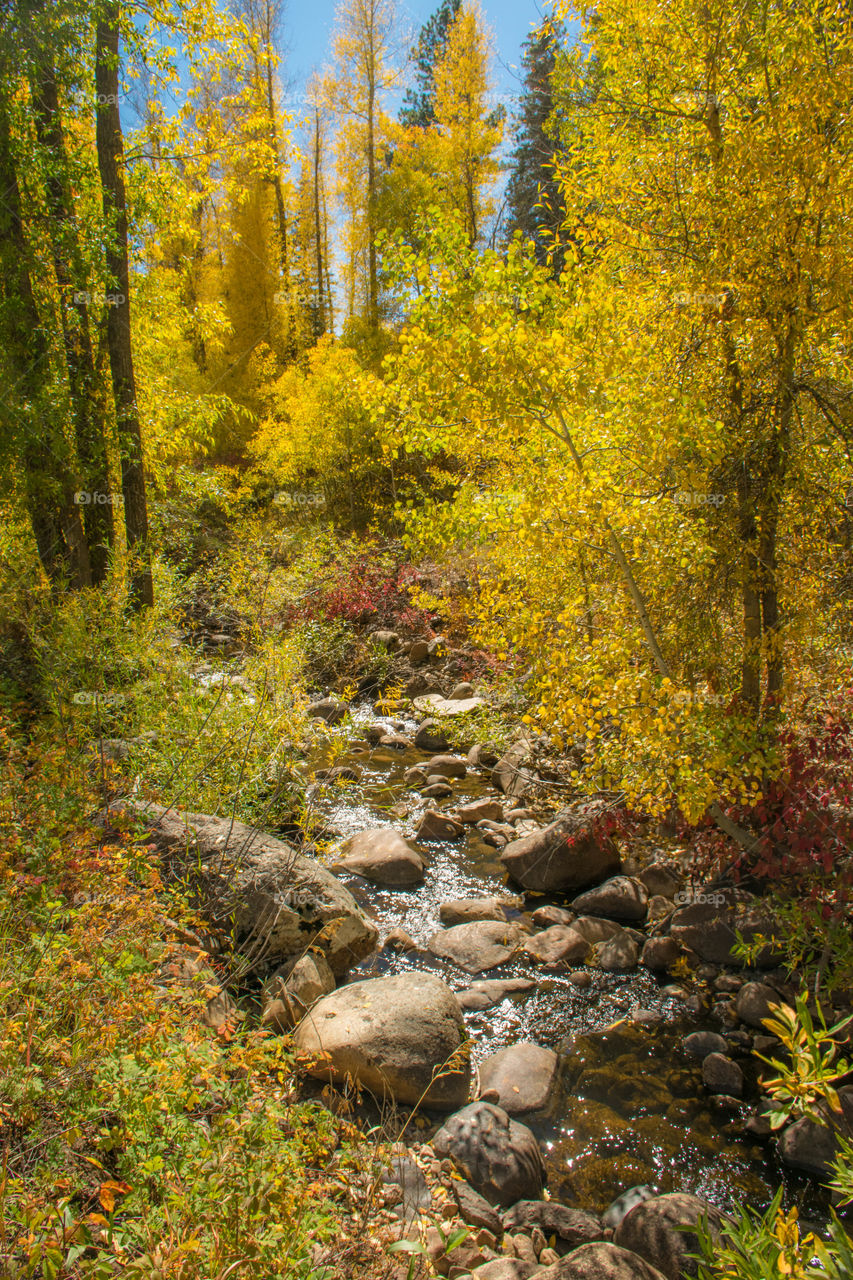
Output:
(522, 1075)
(600, 1261)
(710, 925)
(618, 954)
(381, 855)
(565, 856)
(274, 900)
(435, 704)
(468, 910)
(569, 1227)
(291, 992)
(510, 775)
(430, 736)
(436, 826)
(478, 946)
(620, 898)
(328, 709)
(488, 992)
(661, 1231)
(812, 1147)
(478, 810)
(559, 944)
(498, 1156)
(755, 1001)
(400, 1038)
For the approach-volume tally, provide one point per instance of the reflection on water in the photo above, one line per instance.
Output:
(630, 1107)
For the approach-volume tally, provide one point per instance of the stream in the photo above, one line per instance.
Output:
(630, 1107)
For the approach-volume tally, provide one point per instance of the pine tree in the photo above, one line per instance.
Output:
(535, 205)
(418, 109)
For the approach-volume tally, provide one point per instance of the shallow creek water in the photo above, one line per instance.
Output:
(630, 1107)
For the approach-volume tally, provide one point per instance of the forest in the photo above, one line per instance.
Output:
(426, 642)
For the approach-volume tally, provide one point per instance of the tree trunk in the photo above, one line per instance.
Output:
(50, 507)
(770, 618)
(87, 402)
(318, 230)
(281, 213)
(110, 160)
(372, 269)
(750, 679)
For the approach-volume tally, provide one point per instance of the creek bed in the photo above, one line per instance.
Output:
(630, 1106)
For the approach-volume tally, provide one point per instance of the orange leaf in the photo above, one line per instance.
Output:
(109, 1190)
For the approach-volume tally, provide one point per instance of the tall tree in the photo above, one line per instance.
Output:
(418, 110)
(466, 132)
(365, 49)
(28, 418)
(111, 165)
(88, 402)
(534, 201)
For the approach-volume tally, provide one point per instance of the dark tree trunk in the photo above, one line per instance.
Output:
(50, 505)
(110, 161)
(88, 405)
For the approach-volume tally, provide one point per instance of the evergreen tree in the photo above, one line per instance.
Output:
(535, 205)
(418, 109)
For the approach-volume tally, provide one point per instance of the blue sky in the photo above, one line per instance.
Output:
(308, 26)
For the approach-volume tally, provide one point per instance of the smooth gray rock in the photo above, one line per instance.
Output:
(544, 917)
(435, 827)
(700, 1043)
(273, 897)
(711, 928)
(753, 1004)
(391, 1036)
(328, 709)
(430, 736)
(500, 1157)
(661, 878)
(659, 953)
(571, 1227)
(722, 1075)
(522, 1074)
(478, 811)
(595, 930)
(448, 766)
(652, 1230)
(618, 954)
(510, 774)
(600, 1261)
(488, 992)
(291, 992)
(557, 945)
(478, 946)
(382, 856)
(468, 910)
(565, 856)
(621, 898)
